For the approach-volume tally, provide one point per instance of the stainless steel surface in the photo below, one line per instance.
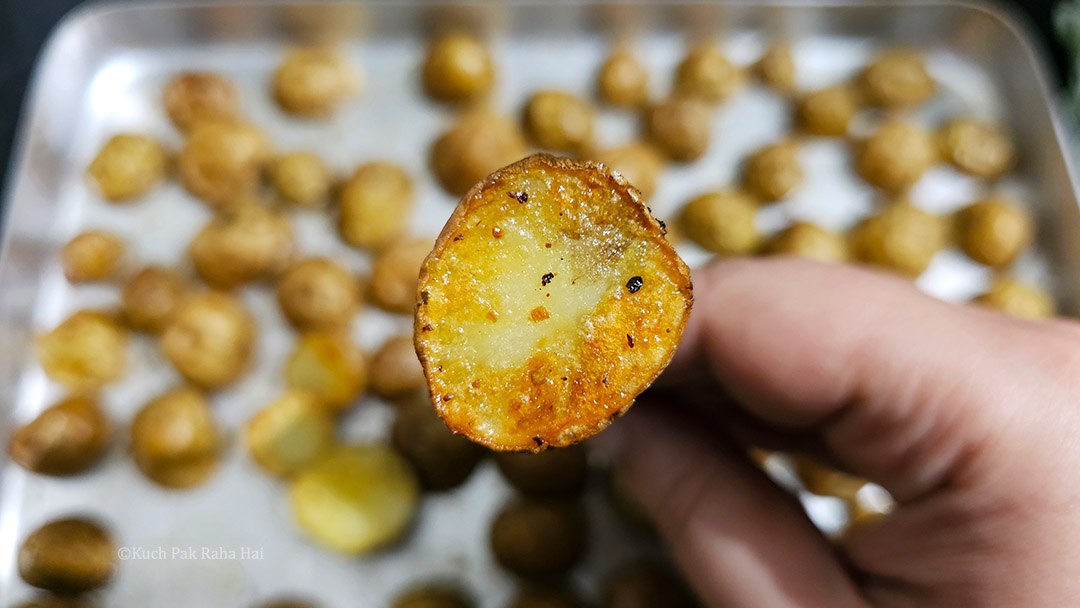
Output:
(102, 73)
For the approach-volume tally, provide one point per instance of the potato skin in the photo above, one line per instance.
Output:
(559, 121)
(67, 438)
(193, 97)
(243, 244)
(897, 79)
(289, 433)
(773, 172)
(394, 275)
(318, 294)
(329, 366)
(477, 144)
(442, 460)
(151, 298)
(395, 370)
(975, 148)
(828, 112)
(127, 167)
(721, 222)
(994, 231)
(680, 127)
(776, 68)
(94, 255)
(539, 540)
(458, 67)
(640, 163)
(68, 556)
(705, 73)
(174, 439)
(87, 351)
(221, 162)
(900, 237)
(623, 81)
(807, 240)
(300, 178)
(895, 157)
(433, 596)
(1015, 298)
(374, 205)
(313, 82)
(210, 340)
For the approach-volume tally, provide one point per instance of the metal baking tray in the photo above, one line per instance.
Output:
(102, 73)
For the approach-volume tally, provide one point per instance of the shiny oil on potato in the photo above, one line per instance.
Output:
(550, 301)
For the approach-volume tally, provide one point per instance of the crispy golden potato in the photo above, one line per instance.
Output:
(433, 596)
(827, 112)
(442, 460)
(824, 481)
(721, 222)
(458, 67)
(241, 244)
(897, 79)
(539, 539)
(638, 162)
(647, 584)
(127, 166)
(623, 81)
(221, 161)
(994, 231)
(479, 142)
(374, 205)
(318, 294)
(1015, 298)
(313, 82)
(152, 297)
(395, 369)
(68, 556)
(210, 339)
(705, 73)
(550, 301)
(680, 127)
(85, 352)
(975, 148)
(559, 121)
(773, 172)
(356, 498)
(327, 365)
(94, 255)
(174, 439)
(300, 178)
(290, 433)
(807, 240)
(895, 157)
(67, 438)
(545, 597)
(776, 68)
(395, 273)
(900, 237)
(556, 472)
(193, 97)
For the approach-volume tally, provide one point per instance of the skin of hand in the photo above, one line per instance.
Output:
(970, 418)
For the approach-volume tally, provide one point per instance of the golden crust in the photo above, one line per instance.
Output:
(521, 386)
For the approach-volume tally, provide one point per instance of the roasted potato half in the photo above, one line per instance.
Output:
(329, 366)
(550, 301)
(175, 440)
(289, 433)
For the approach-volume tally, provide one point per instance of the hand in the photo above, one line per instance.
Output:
(971, 419)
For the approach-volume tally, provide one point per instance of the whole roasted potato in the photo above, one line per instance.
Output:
(193, 97)
(458, 67)
(555, 472)
(807, 240)
(313, 82)
(994, 231)
(94, 255)
(897, 79)
(374, 205)
(680, 127)
(773, 172)
(707, 74)
(394, 275)
(85, 352)
(290, 433)
(776, 68)
(127, 166)
(1018, 299)
(68, 556)
(152, 297)
(480, 142)
(328, 366)
(640, 163)
(395, 370)
(442, 460)
(895, 156)
(901, 237)
(721, 222)
(210, 339)
(67, 438)
(827, 112)
(623, 81)
(539, 539)
(976, 148)
(174, 439)
(317, 293)
(221, 162)
(300, 178)
(559, 121)
(433, 596)
(241, 244)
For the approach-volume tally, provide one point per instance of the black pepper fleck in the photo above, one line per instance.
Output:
(544, 280)
(424, 295)
(630, 340)
(521, 197)
(564, 378)
(663, 226)
(634, 284)
(459, 237)
(538, 441)
(605, 378)
(548, 245)
(447, 397)
(426, 327)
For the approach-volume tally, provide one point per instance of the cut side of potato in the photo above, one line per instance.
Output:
(550, 301)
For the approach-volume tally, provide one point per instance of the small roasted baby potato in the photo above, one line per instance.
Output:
(647, 584)
(442, 460)
(623, 81)
(1018, 299)
(773, 172)
(222, 161)
(313, 82)
(458, 67)
(824, 481)
(395, 273)
(151, 298)
(897, 79)
(241, 244)
(317, 293)
(479, 142)
(356, 499)
(638, 162)
(539, 540)
(707, 74)
(85, 352)
(193, 97)
(68, 556)
(895, 156)
(374, 205)
(776, 68)
(559, 121)
(175, 440)
(92, 256)
(550, 301)
(210, 339)
(994, 231)
(556, 472)
(807, 240)
(900, 237)
(395, 370)
(975, 148)
(721, 222)
(680, 127)
(545, 597)
(300, 178)
(433, 596)
(827, 112)
(328, 366)
(290, 433)
(67, 438)
(127, 166)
